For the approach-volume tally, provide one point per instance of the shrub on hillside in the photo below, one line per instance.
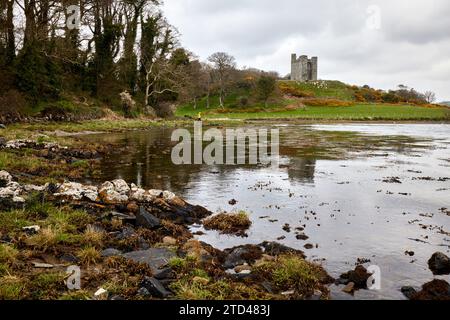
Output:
(359, 97)
(327, 103)
(391, 97)
(295, 92)
(128, 104)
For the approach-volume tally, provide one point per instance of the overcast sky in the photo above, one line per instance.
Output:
(382, 43)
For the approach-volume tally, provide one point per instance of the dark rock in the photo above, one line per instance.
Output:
(240, 255)
(155, 288)
(341, 281)
(127, 232)
(308, 246)
(156, 258)
(392, 180)
(143, 292)
(359, 277)
(245, 277)
(122, 216)
(111, 252)
(147, 220)
(167, 282)
(409, 292)
(276, 249)
(178, 211)
(52, 188)
(143, 244)
(232, 202)
(121, 207)
(117, 298)
(434, 290)
(267, 286)
(166, 273)
(302, 236)
(68, 258)
(2, 142)
(439, 264)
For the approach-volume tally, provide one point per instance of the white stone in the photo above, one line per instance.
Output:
(121, 187)
(101, 293)
(245, 272)
(5, 176)
(110, 194)
(154, 193)
(288, 293)
(33, 188)
(6, 193)
(137, 194)
(91, 193)
(18, 199)
(77, 191)
(39, 265)
(168, 195)
(15, 186)
(32, 228)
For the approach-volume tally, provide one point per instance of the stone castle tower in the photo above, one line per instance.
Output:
(303, 68)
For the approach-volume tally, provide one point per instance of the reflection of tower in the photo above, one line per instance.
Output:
(139, 175)
(301, 169)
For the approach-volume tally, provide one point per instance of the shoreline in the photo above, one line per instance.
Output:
(118, 228)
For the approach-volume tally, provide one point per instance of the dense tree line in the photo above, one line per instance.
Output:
(122, 52)
(97, 47)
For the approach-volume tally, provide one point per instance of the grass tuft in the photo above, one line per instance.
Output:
(235, 223)
(89, 255)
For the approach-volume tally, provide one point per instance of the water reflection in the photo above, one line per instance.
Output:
(331, 180)
(144, 157)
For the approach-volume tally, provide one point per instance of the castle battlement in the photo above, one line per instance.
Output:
(303, 68)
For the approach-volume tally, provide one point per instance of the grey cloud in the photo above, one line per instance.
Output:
(412, 46)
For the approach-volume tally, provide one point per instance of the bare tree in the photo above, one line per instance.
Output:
(161, 77)
(430, 96)
(223, 64)
(157, 42)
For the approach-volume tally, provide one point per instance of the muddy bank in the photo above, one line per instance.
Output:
(41, 160)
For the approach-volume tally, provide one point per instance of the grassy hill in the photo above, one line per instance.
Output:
(316, 100)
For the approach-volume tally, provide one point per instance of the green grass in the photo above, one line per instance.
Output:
(290, 271)
(323, 92)
(357, 112)
(91, 125)
(323, 89)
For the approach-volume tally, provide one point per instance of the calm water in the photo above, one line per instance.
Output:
(330, 180)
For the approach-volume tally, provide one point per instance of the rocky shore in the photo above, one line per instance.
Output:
(132, 243)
